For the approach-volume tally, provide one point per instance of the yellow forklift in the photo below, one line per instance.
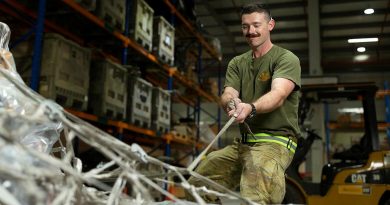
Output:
(362, 173)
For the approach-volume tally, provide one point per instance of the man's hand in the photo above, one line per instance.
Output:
(241, 112)
(232, 105)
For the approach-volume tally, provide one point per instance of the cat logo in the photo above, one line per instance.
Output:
(358, 178)
(264, 76)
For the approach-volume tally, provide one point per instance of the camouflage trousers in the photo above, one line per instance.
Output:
(258, 168)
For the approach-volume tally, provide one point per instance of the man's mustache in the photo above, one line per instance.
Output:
(252, 35)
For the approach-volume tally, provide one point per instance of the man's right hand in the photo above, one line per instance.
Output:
(232, 105)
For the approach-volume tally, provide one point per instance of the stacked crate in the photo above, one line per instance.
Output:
(90, 5)
(183, 133)
(163, 40)
(64, 74)
(113, 13)
(161, 114)
(139, 102)
(108, 89)
(141, 24)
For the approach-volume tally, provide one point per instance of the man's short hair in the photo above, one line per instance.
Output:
(256, 7)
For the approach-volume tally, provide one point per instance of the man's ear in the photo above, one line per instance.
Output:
(271, 24)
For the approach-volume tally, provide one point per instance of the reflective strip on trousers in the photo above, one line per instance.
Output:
(284, 141)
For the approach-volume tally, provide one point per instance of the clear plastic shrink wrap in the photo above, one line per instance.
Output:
(41, 136)
(15, 161)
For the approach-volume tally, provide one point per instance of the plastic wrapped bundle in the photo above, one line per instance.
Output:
(31, 174)
(44, 135)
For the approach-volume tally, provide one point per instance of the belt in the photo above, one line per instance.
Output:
(264, 137)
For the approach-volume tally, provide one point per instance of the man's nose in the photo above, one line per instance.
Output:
(251, 29)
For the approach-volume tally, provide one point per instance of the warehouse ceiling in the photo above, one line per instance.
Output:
(338, 21)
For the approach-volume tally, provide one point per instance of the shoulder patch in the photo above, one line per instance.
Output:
(264, 76)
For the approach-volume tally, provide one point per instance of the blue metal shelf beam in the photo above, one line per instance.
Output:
(36, 61)
(126, 32)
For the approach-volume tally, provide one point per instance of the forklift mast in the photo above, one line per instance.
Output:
(352, 91)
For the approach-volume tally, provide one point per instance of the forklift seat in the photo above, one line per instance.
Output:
(357, 153)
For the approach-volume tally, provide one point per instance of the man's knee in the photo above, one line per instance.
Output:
(189, 195)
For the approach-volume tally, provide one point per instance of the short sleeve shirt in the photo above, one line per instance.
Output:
(252, 78)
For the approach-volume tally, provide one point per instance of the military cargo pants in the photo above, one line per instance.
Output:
(258, 169)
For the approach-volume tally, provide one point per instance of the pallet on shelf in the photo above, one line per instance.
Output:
(139, 102)
(108, 89)
(161, 112)
(64, 75)
(164, 40)
(141, 24)
(113, 12)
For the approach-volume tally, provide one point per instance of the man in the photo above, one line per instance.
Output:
(261, 92)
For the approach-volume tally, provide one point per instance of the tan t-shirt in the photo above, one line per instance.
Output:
(252, 78)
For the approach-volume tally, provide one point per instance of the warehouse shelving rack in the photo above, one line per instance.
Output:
(122, 130)
(42, 24)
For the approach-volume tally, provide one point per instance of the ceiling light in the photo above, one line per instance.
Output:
(369, 11)
(362, 40)
(361, 49)
(357, 110)
(360, 58)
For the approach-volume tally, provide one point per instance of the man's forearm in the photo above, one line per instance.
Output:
(226, 98)
(281, 89)
(228, 95)
(268, 102)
